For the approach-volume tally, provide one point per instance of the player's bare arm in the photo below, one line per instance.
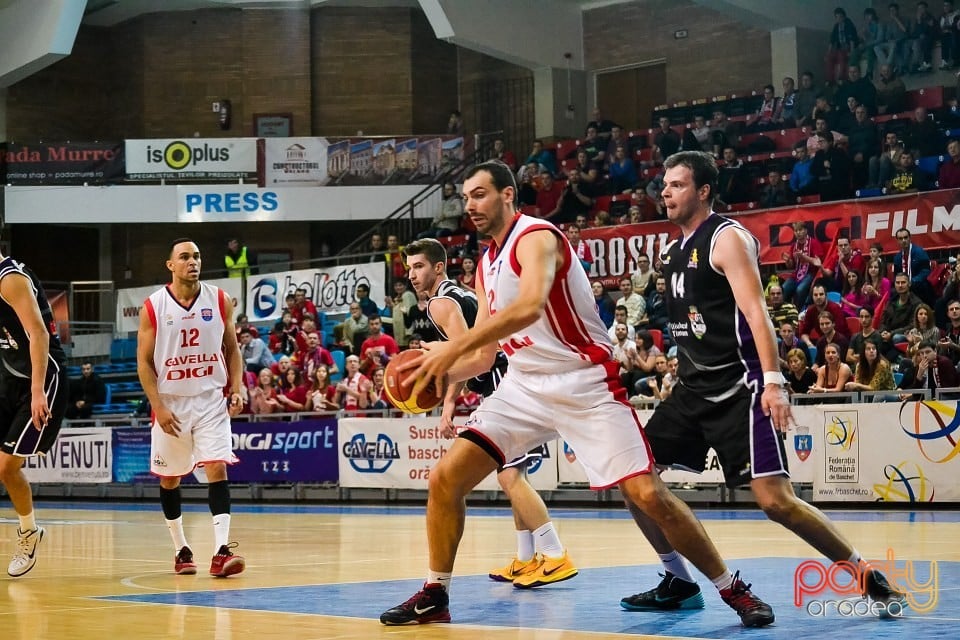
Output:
(147, 372)
(539, 257)
(735, 254)
(449, 317)
(231, 350)
(18, 293)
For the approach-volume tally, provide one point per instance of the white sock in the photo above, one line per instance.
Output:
(176, 533)
(221, 530)
(547, 542)
(439, 577)
(675, 564)
(723, 581)
(525, 548)
(27, 522)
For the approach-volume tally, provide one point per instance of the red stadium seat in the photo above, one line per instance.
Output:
(657, 336)
(566, 147)
(808, 199)
(853, 325)
(602, 203)
(929, 97)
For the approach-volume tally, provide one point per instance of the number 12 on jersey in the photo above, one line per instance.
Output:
(189, 337)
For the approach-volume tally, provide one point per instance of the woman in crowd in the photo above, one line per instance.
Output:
(874, 372)
(377, 395)
(875, 285)
(263, 397)
(800, 377)
(292, 395)
(623, 173)
(834, 375)
(468, 279)
(322, 395)
(854, 297)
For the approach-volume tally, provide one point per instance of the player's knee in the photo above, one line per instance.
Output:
(444, 480)
(780, 509)
(508, 479)
(645, 493)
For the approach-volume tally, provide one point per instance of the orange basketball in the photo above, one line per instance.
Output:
(401, 396)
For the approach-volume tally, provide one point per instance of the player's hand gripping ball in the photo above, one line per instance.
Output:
(402, 396)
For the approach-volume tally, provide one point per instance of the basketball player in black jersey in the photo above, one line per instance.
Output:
(453, 310)
(730, 394)
(33, 395)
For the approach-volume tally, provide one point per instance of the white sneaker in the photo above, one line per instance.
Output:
(26, 554)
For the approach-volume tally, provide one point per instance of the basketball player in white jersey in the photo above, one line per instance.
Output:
(453, 310)
(537, 305)
(187, 353)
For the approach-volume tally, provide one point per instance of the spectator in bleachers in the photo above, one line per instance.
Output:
(920, 40)
(891, 92)
(468, 277)
(834, 374)
(724, 133)
(530, 172)
(786, 115)
(897, 316)
(894, 49)
(775, 192)
(802, 182)
(830, 335)
(309, 325)
(623, 173)
(843, 39)
(244, 322)
(280, 367)
(733, 183)
(314, 355)
(634, 302)
(84, 393)
(948, 34)
(831, 168)
(447, 220)
(654, 187)
(620, 317)
(822, 127)
(804, 258)
(845, 115)
(263, 396)
(339, 342)
(604, 302)
(907, 177)
(922, 328)
(800, 376)
(367, 306)
(765, 117)
(550, 196)
(787, 342)
(543, 158)
(302, 306)
(602, 219)
(950, 342)
(625, 353)
(881, 167)
(501, 153)
(934, 371)
(864, 143)
(396, 268)
(581, 221)
(870, 36)
(922, 135)
(806, 99)
(650, 361)
(589, 172)
(352, 390)
(779, 310)
(834, 269)
(418, 322)
(574, 201)
(282, 340)
(656, 306)
(376, 247)
(595, 147)
(526, 190)
(238, 259)
(642, 278)
(455, 126)
(292, 391)
(603, 126)
(949, 174)
(867, 333)
(322, 395)
(701, 131)
(376, 395)
(809, 328)
(616, 138)
(378, 348)
(355, 326)
(873, 372)
(852, 298)
(666, 142)
(255, 353)
(860, 88)
(688, 141)
(402, 301)
(875, 284)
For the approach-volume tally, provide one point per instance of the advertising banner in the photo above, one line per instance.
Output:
(300, 162)
(130, 300)
(885, 452)
(62, 163)
(331, 289)
(932, 217)
(78, 455)
(208, 158)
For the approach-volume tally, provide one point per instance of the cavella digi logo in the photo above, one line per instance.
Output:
(180, 155)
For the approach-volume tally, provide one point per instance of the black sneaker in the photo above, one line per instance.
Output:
(879, 590)
(672, 593)
(429, 605)
(183, 564)
(753, 611)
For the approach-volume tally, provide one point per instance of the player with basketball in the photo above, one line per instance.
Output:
(187, 354)
(453, 310)
(538, 305)
(33, 395)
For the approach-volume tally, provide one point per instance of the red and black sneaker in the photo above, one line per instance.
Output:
(427, 606)
(183, 564)
(226, 563)
(753, 611)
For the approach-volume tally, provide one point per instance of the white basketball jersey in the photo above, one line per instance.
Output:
(569, 334)
(188, 355)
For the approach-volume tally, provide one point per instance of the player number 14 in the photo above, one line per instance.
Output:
(676, 285)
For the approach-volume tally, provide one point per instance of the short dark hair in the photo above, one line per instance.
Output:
(927, 344)
(363, 286)
(429, 247)
(701, 165)
(246, 331)
(178, 241)
(840, 12)
(500, 175)
(374, 316)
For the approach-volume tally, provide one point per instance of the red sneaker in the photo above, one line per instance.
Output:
(225, 563)
(183, 563)
(753, 611)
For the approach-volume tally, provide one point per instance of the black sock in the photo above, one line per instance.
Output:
(170, 503)
(218, 496)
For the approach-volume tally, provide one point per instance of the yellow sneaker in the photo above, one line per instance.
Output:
(550, 570)
(515, 569)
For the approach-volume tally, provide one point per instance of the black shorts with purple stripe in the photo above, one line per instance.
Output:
(527, 459)
(20, 436)
(685, 426)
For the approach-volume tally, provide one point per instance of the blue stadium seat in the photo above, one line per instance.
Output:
(341, 361)
(834, 296)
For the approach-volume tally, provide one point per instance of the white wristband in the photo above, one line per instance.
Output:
(774, 377)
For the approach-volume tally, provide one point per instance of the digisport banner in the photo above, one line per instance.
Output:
(131, 299)
(797, 444)
(304, 451)
(398, 453)
(78, 455)
(933, 219)
(885, 452)
(299, 162)
(331, 289)
(62, 163)
(209, 158)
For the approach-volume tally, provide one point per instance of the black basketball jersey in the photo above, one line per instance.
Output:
(14, 343)
(483, 384)
(715, 347)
